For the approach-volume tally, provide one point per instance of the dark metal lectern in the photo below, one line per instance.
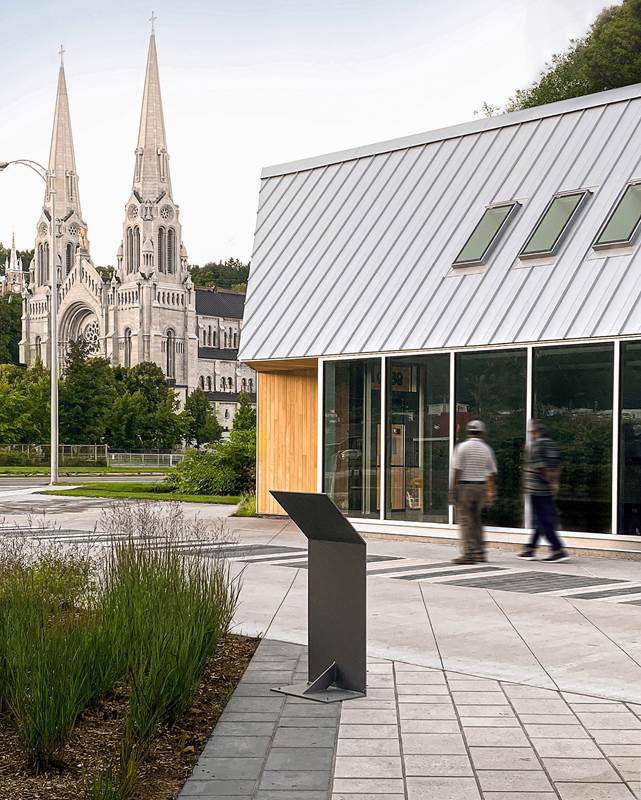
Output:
(336, 600)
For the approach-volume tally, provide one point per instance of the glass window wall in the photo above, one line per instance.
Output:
(351, 410)
(630, 441)
(417, 444)
(492, 387)
(573, 396)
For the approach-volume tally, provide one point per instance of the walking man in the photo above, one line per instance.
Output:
(473, 486)
(541, 482)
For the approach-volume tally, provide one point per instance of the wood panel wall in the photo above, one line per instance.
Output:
(287, 434)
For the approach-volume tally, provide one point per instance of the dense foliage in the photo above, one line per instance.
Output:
(10, 328)
(202, 426)
(230, 274)
(607, 57)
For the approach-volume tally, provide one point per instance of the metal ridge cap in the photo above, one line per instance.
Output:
(608, 97)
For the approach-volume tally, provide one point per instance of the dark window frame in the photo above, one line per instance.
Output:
(553, 250)
(514, 207)
(596, 245)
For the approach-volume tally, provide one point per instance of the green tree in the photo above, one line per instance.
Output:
(87, 394)
(230, 274)
(202, 425)
(10, 328)
(245, 419)
(608, 56)
(24, 404)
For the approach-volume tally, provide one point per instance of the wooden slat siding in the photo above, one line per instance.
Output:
(287, 434)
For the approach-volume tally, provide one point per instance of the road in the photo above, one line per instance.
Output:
(26, 482)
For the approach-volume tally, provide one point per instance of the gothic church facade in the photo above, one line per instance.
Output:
(149, 310)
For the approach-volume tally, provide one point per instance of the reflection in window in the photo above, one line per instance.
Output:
(485, 235)
(171, 354)
(623, 223)
(630, 440)
(351, 413)
(573, 395)
(492, 387)
(553, 223)
(417, 448)
(127, 347)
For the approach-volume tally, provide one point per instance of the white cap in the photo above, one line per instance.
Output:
(475, 426)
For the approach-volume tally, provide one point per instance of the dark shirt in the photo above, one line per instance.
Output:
(542, 454)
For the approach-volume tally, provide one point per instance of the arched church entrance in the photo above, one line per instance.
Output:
(80, 321)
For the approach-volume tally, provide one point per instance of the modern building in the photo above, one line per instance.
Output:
(149, 309)
(489, 270)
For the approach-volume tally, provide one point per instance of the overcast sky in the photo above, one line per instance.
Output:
(246, 84)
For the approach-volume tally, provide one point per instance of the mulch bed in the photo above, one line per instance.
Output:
(95, 743)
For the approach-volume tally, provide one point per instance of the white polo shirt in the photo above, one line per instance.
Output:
(475, 460)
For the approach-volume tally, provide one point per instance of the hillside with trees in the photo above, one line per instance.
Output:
(231, 274)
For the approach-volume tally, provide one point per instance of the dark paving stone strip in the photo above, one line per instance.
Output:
(609, 592)
(268, 746)
(533, 582)
(422, 575)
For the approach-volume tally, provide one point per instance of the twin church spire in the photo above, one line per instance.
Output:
(62, 159)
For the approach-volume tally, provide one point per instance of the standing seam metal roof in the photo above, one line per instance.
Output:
(353, 251)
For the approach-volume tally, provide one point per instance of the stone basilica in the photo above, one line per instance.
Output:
(149, 310)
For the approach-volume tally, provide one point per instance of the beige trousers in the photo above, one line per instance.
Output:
(470, 499)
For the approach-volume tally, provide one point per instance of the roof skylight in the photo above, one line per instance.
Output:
(553, 224)
(623, 223)
(485, 235)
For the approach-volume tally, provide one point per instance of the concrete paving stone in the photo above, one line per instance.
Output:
(547, 719)
(378, 693)
(425, 699)
(556, 732)
(242, 768)
(617, 737)
(368, 731)
(296, 794)
(514, 690)
(312, 709)
(432, 744)
(598, 708)
(224, 728)
(628, 763)
(595, 770)
(305, 737)
(373, 703)
(368, 767)
(306, 722)
(479, 698)
(274, 663)
(574, 698)
(488, 711)
(300, 758)
(621, 750)
(291, 780)
(422, 689)
(499, 780)
(426, 711)
(490, 722)
(431, 766)
(566, 748)
(357, 716)
(495, 737)
(553, 705)
(442, 789)
(419, 678)
(594, 791)
(370, 787)
(402, 666)
(368, 747)
(380, 681)
(380, 668)
(249, 716)
(473, 685)
(235, 746)
(217, 788)
(430, 726)
(343, 796)
(510, 758)
(272, 647)
(252, 690)
(520, 796)
(618, 721)
(275, 677)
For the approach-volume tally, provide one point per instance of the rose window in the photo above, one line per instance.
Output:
(91, 335)
(73, 229)
(132, 211)
(167, 212)
(43, 230)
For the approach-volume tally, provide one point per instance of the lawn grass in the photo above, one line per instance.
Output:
(26, 471)
(140, 491)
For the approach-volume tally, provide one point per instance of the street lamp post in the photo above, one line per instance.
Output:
(48, 177)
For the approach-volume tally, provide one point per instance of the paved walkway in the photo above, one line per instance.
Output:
(420, 734)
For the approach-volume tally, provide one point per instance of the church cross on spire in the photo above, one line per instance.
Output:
(153, 19)
(61, 53)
